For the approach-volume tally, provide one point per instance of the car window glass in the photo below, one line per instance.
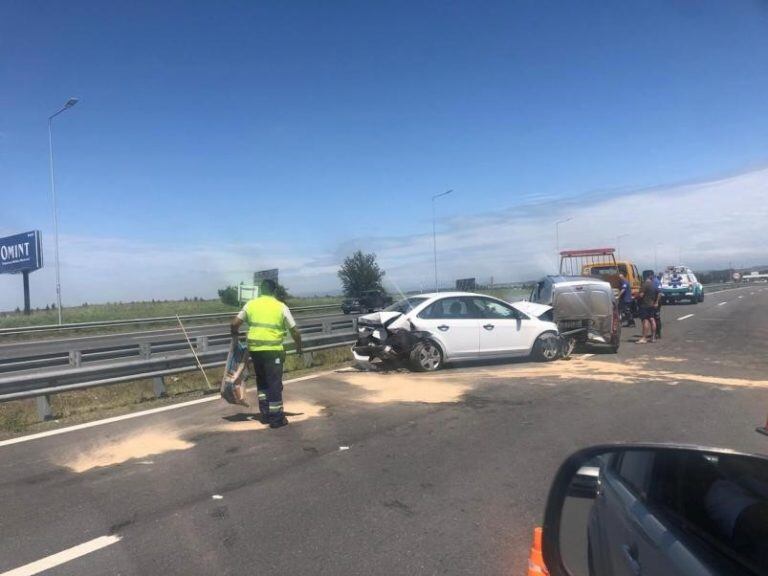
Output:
(446, 308)
(635, 469)
(406, 305)
(493, 309)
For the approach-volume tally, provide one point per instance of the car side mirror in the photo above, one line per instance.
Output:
(651, 509)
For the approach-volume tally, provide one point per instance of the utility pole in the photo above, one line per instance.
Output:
(434, 232)
(557, 233)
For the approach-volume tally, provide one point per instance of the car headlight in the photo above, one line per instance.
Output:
(376, 334)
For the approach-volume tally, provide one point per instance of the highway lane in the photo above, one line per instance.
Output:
(445, 473)
(62, 345)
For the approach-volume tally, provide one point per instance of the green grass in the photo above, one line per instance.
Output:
(131, 310)
(115, 311)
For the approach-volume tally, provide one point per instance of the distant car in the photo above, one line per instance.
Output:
(368, 301)
(680, 283)
(428, 330)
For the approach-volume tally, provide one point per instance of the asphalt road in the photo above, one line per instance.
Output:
(63, 345)
(445, 473)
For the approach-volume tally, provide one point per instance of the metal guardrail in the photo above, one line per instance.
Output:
(77, 352)
(141, 364)
(138, 321)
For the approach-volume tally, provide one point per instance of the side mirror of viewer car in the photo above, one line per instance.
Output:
(657, 509)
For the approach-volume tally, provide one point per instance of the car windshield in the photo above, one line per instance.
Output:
(607, 270)
(405, 305)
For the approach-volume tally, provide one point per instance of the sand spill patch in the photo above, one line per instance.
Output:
(629, 372)
(296, 411)
(141, 445)
(437, 387)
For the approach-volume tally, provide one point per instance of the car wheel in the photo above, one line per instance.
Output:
(567, 346)
(615, 341)
(426, 356)
(701, 297)
(547, 347)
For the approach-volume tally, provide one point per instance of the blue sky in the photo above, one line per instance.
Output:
(292, 132)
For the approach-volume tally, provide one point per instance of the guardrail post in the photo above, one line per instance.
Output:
(308, 359)
(75, 358)
(158, 384)
(202, 344)
(44, 411)
(327, 327)
(145, 350)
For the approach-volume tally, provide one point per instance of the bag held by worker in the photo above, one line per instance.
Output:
(235, 374)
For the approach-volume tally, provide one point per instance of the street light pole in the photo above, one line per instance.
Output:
(557, 232)
(656, 257)
(434, 232)
(618, 243)
(71, 102)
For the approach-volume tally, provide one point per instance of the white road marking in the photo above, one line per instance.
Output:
(740, 297)
(684, 317)
(723, 303)
(63, 557)
(132, 415)
(585, 356)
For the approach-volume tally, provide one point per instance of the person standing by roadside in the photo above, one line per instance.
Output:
(649, 297)
(657, 316)
(268, 319)
(625, 301)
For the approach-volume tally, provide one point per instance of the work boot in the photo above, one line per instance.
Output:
(279, 423)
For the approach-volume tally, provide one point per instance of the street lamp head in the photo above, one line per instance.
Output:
(442, 194)
(71, 102)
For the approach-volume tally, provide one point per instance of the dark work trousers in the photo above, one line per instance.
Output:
(658, 321)
(626, 313)
(268, 365)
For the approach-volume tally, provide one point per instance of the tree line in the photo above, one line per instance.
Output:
(358, 273)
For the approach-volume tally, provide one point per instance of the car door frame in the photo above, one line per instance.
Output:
(521, 323)
(442, 336)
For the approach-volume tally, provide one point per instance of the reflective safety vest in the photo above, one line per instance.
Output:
(266, 324)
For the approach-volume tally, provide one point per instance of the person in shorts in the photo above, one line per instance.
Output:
(649, 301)
(657, 317)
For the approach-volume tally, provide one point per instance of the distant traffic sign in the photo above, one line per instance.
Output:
(736, 276)
(21, 253)
(270, 274)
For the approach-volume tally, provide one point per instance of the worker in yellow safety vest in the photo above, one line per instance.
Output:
(268, 320)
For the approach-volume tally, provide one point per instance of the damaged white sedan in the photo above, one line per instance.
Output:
(428, 330)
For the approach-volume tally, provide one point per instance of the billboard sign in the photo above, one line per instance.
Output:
(270, 274)
(465, 284)
(21, 252)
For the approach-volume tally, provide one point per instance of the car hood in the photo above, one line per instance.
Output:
(383, 318)
(532, 308)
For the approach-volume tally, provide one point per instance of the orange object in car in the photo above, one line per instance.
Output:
(536, 566)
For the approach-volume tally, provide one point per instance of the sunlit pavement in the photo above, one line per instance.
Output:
(442, 473)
